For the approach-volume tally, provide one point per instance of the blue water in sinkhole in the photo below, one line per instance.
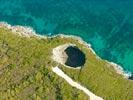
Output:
(106, 24)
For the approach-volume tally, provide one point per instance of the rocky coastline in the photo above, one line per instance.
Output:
(29, 32)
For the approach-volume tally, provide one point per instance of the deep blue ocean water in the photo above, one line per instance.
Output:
(106, 24)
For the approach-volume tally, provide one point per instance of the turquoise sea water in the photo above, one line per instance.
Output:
(106, 24)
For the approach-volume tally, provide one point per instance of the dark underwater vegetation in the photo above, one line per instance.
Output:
(106, 24)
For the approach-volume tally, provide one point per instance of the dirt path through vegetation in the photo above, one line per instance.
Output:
(60, 73)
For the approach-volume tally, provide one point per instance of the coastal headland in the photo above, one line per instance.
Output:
(26, 68)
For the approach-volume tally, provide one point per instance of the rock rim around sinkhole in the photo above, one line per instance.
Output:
(69, 55)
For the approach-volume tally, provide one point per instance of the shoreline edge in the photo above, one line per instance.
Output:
(30, 32)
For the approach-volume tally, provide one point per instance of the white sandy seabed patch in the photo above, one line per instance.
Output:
(60, 73)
